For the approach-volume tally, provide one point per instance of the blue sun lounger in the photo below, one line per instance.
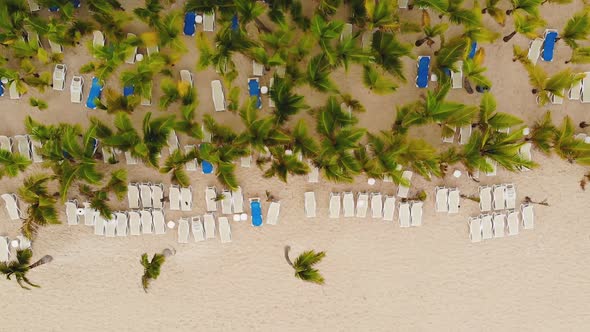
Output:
(234, 23)
(254, 89)
(207, 167)
(549, 45)
(94, 93)
(472, 50)
(423, 70)
(189, 23)
(76, 3)
(256, 211)
(128, 91)
(1, 89)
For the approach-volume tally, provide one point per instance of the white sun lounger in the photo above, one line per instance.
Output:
(237, 200)
(555, 99)
(35, 147)
(97, 39)
(13, 91)
(152, 49)
(486, 227)
(346, 31)
(76, 88)
(134, 223)
(525, 153)
(528, 217)
(59, 77)
(314, 173)
(510, 196)
(173, 144)
(90, 214)
(403, 191)
(224, 229)
(157, 195)
(257, 68)
(209, 222)
(348, 204)
(210, 196)
(146, 221)
(403, 4)
(404, 214)
(271, 83)
(121, 218)
(99, 224)
(174, 197)
(535, 50)
(246, 161)
(191, 165)
(362, 204)
(442, 199)
(55, 47)
(209, 21)
(586, 88)
(197, 229)
(457, 76)
(130, 59)
(416, 213)
(310, 204)
(475, 229)
(376, 205)
(145, 192)
(485, 198)
(226, 202)
(130, 159)
(450, 139)
(218, 96)
(499, 223)
(72, 212)
(464, 134)
(575, 91)
(183, 230)
(499, 202)
(23, 242)
(159, 221)
(23, 146)
(389, 208)
(11, 203)
(111, 227)
(513, 223)
(133, 195)
(454, 199)
(6, 143)
(272, 215)
(335, 204)
(34, 6)
(186, 198)
(4, 249)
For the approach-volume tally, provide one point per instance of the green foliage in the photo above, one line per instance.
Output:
(376, 82)
(21, 266)
(304, 266)
(151, 269)
(40, 104)
(41, 210)
(577, 28)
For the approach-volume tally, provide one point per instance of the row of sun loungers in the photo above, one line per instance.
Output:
(6, 245)
(496, 225)
(497, 197)
(203, 229)
(447, 199)
(24, 145)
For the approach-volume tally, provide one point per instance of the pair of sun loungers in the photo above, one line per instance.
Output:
(24, 145)
(203, 229)
(543, 47)
(145, 195)
(6, 245)
(497, 197)
(497, 225)
(447, 200)
(180, 198)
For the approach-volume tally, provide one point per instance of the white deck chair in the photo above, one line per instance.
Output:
(528, 216)
(362, 204)
(72, 212)
(133, 195)
(403, 4)
(510, 196)
(499, 223)
(183, 230)
(451, 138)
(174, 197)
(34, 6)
(494, 165)
(376, 205)
(454, 200)
(111, 227)
(134, 223)
(272, 215)
(404, 214)
(97, 39)
(224, 229)
(389, 208)
(416, 213)
(226, 202)
(6, 143)
(310, 205)
(475, 229)
(485, 198)
(218, 96)
(13, 91)
(209, 222)
(257, 68)
(525, 153)
(130, 59)
(499, 202)
(346, 31)
(246, 161)
(4, 249)
(271, 82)
(464, 134)
(535, 50)
(121, 218)
(23, 242)
(335, 205)
(586, 88)
(23, 146)
(157, 196)
(210, 196)
(237, 200)
(146, 221)
(207, 136)
(442, 199)
(130, 159)
(191, 165)
(314, 173)
(486, 227)
(11, 203)
(186, 198)
(513, 223)
(197, 229)
(457, 76)
(557, 100)
(159, 221)
(403, 191)
(145, 192)
(209, 21)
(55, 47)
(99, 224)
(348, 204)
(152, 49)
(173, 144)
(575, 91)
(59, 76)
(90, 214)
(35, 146)
(76, 89)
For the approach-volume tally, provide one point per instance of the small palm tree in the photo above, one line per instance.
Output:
(11, 164)
(318, 74)
(430, 32)
(577, 28)
(526, 25)
(568, 147)
(39, 103)
(21, 266)
(473, 70)
(388, 52)
(175, 164)
(41, 210)
(304, 263)
(494, 11)
(530, 7)
(116, 102)
(376, 82)
(151, 269)
(580, 55)
(543, 133)
(287, 103)
(544, 86)
(283, 164)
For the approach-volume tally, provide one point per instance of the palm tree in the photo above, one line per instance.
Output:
(430, 32)
(473, 72)
(489, 118)
(577, 28)
(568, 147)
(580, 55)
(21, 266)
(169, 32)
(187, 124)
(150, 14)
(287, 103)
(283, 163)
(116, 102)
(318, 74)
(302, 142)
(327, 8)
(527, 25)
(142, 78)
(99, 198)
(41, 210)
(545, 87)
(304, 263)
(377, 82)
(324, 32)
(11, 164)
(450, 53)
(494, 11)
(347, 51)
(175, 164)
(543, 133)
(39, 103)
(151, 269)
(388, 52)
(530, 7)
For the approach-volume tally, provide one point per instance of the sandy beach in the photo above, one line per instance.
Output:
(379, 277)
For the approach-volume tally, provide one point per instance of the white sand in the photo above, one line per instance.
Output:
(379, 277)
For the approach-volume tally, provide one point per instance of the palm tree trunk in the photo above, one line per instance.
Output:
(584, 124)
(508, 37)
(467, 86)
(421, 41)
(44, 260)
(287, 248)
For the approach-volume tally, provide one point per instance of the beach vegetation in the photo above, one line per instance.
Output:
(304, 265)
(21, 266)
(152, 268)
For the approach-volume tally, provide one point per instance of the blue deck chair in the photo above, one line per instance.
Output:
(254, 89)
(1, 89)
(234, 23)
(549, 45)
(472, 50)
(423, 70)
(207, 167)
(94, 93)
(128, 91)
(76, 3)
(256, 211)
(189, 23)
